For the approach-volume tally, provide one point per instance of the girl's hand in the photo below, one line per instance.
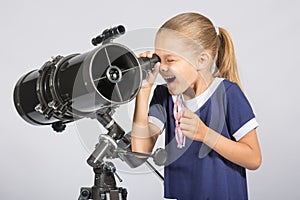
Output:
(192, 126)
(151, 77)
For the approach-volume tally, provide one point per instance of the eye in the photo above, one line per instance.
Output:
(169, 60)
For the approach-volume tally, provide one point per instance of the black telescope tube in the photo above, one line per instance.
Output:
(69, 88)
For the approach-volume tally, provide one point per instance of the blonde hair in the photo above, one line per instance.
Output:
(202, 32)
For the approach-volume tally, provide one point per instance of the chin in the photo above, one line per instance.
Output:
(175, 91)
(187, 91)
(172, 93)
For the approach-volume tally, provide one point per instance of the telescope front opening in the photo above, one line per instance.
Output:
(116, 74)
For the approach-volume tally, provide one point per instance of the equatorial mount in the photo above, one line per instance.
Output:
(104, 185)
(110, 146)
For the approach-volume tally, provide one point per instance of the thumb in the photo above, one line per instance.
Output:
(188, 114)
(156, 69)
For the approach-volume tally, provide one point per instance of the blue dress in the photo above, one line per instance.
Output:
(196, 172)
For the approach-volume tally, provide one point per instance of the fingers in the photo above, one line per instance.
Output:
(155, 71)
(187, 114)
(189, 127)
(151, 76)
(185, 127)
(147, 54)
(192, 126)
(188, 120)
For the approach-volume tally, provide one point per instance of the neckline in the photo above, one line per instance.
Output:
(197, 102)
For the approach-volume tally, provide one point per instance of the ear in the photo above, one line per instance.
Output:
(204, 60)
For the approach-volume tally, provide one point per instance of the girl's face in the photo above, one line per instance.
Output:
(178, 65)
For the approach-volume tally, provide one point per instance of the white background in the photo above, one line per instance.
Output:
(38, 164)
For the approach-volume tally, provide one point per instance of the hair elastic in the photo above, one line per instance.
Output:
(217, 30)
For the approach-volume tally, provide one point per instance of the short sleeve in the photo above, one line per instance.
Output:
(239, 114)
(157, 108)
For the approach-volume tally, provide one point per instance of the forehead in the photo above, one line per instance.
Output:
(170, 43)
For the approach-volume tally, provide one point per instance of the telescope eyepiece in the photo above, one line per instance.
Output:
(147, 64)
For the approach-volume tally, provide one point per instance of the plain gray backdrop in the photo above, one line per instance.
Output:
(38, 164)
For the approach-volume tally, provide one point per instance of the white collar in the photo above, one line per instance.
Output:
(196, 103)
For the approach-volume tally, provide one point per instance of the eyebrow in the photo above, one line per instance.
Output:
(167, 55)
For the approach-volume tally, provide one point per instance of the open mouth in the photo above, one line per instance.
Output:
(169, 79)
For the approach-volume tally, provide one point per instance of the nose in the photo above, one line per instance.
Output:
(163, 68)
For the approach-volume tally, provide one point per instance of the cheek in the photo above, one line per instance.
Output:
(188, 75)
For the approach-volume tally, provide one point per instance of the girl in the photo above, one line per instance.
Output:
(201, 108)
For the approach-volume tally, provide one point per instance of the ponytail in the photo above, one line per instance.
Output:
(226, 60)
